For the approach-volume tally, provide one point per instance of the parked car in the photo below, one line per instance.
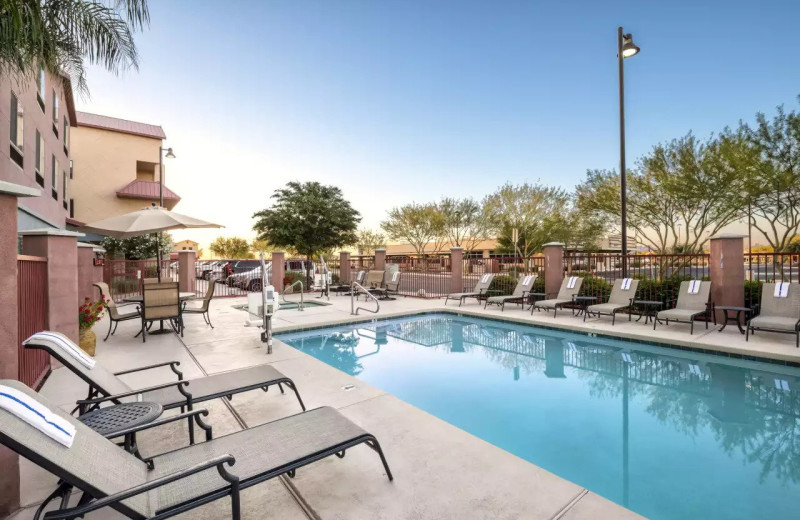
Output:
(250, 279)
(240, 266)
(212, 267)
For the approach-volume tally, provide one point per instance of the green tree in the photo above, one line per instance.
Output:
(62, 36)
(421, 225)
(231, 247)
(369, 241)
(309, 218)
(138, 248)
(466, 223)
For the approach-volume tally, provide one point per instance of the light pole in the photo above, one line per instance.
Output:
(625, 49)
(161, 155)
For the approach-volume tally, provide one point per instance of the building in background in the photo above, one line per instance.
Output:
(36, 117)
(116, 168)
(183, 245)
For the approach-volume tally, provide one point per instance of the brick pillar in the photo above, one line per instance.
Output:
(186, 270)
(344, 267)
(726, 270)
(456, 269)
(9, 340)
(278, 268)
(86, 272)
(553, 267)
(380, 259)
(60, 247)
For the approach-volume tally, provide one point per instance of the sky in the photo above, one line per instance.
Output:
(410, 100)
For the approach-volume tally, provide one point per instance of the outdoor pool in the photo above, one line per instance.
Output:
(671, 434)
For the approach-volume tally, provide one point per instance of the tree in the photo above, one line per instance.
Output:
(231, 247)
(769, 156)
(308, 217)
(421, 225)
(138, 248)
(369, 241)
(466, 224)
(62, 36)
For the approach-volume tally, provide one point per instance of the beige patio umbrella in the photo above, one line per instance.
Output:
(154, 219)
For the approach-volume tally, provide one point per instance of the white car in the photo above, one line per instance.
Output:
(248, 280)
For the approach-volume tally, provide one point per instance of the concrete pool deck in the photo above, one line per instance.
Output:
(440, 470)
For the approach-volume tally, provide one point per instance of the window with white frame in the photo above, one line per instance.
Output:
(55, 112)
(17, 122)
(66, 135)
(41, 92)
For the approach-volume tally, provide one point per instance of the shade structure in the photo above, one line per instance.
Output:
(148, 220)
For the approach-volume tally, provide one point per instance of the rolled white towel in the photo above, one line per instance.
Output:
(58, 340)
(485, 278)
(395, 276)
(572, 281)
(782, 289)
(694, 286)
(527, 280)
(626, 283)
(37, 415)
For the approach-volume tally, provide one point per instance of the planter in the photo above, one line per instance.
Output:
(87, 340)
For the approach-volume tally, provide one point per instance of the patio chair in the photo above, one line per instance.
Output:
(106, 386)
(344, 286)
(481, 289)
(146, 281)
(778, 313)
(524, 286)
(161, 301)
(375, 283)
(694, 301)
(114, 314)
(203, 308)
(622, 295)
(570, 287)
(393, 283)
(170, 483)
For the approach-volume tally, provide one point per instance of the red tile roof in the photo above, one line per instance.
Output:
(139, 189)
(120, 125)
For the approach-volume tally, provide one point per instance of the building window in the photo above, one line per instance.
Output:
(64, 188)
(66, 136)
(40, 159)
(55, 112)
(71, 208)
(53, 185)
(70, 169)
(40, 93)
(17, 130)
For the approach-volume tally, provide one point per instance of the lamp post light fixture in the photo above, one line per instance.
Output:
(161, 155)
(625, 49)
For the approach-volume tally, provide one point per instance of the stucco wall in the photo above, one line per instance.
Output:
(105, 162)
(44, 207)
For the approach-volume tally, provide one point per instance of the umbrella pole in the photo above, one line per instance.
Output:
(158, 258)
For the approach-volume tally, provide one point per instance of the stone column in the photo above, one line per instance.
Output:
(380, 259)
(553, 268)
(86, 272)
(344, 267)
(456, 269)
(9, 340)
(186, 270)
(278, 268)
(60, 247)
(726, 270)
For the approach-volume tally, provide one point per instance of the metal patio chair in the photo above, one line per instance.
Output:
(170, 483)
(778, 314)
(205, 302)
(114, 314)
(481, 289)
(566, 295)
(690, 306)
(160, 302)
(619, 299)
(520, 294)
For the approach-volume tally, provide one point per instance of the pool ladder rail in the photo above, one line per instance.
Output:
(355, 289)
(291, 288)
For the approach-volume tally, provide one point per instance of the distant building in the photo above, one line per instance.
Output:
(185, 244)
(36, 117)
(116, 168)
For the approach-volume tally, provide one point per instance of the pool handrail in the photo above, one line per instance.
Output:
(355, 288)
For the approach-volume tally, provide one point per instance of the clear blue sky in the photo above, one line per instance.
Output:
(399, 101)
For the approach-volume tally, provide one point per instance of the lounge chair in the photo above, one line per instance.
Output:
(690, 305)
(481, 289)
(524, 286)
(105, 386)
(114, 314)
(393, 283)
(374, 282)
(203, 308)
(778, 313)
(622, 295)
(170, 483)
(345, 287)
(570, 287)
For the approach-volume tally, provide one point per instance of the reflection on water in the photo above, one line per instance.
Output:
(683, 433)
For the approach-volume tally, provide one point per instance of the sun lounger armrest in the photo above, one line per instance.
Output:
(166, 420)
(98, 400)
(218, 462)
(172, 365)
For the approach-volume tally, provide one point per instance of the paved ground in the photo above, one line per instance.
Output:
(440, 471)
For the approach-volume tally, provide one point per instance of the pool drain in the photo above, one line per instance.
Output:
(347, 388)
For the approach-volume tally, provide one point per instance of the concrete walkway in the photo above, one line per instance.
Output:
(440, 471)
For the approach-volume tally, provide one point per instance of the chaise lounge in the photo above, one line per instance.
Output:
(779, 310)
(694, 301)
(481, 289)
(622, 295)
(570, 287)
(170, 483)
(524, 286)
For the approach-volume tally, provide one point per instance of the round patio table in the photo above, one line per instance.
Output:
(647, 308)
(739, 311)
(112, 419)
(161, 330)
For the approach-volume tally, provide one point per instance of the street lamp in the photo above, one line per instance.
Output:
(625, 49)
(161, 155)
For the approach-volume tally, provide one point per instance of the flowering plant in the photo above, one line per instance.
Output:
(90, 312)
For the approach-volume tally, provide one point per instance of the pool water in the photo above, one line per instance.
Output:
(668, 433)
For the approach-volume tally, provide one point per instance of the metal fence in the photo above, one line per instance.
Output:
(507, 270)
(767, 267)
(125, 277)
(425, 277)
(34, 365)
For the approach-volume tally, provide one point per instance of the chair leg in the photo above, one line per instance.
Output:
(144, 331)
(110, 322)
(747, 333)
(290, 384)
(208, 317)
(691, 326)
(373, 443)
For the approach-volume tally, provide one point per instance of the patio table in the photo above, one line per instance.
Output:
(112, 419)
(140, 298)
(647, 308)
(740, 312)
(583, 303)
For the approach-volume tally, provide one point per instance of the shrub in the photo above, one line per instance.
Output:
(291, 277)
(503, 283)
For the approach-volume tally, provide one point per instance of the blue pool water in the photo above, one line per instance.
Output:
(669, 433)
